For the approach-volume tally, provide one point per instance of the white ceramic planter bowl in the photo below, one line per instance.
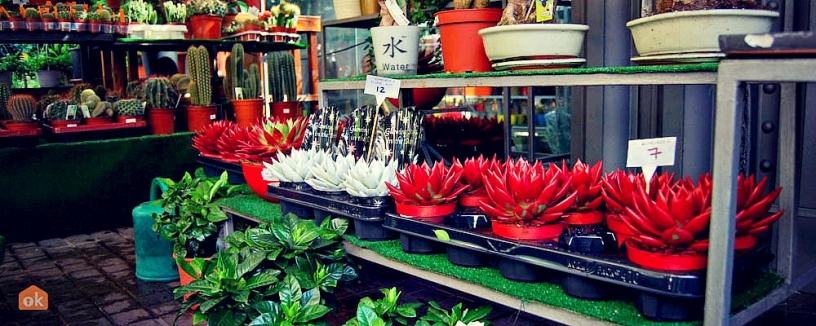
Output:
(533, 41)
(695, 31)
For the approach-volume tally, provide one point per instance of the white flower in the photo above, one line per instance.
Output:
(368, 180)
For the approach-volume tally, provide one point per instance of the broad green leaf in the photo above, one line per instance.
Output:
(227, 264)
(227, 319)
(265, 319)
(310, 298)
(366, 315)
(406, 311)
(210, 303)
(291, 292)
(442, 235)
(477, 314)
(250, 262)
(242, 296)
(264, 278)
(311, 313)
(199, 317)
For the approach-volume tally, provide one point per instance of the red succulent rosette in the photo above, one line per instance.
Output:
(618, 190)
(587, 184)
(231, 141)
(753, 205)
(422, 185)
(474, 169)
(270, 137)
(206, 140)
(524, 193)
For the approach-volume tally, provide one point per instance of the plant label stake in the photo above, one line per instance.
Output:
(381, 88)
(650, 153)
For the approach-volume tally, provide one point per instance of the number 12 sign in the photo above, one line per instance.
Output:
(382, 87)
(650, 153)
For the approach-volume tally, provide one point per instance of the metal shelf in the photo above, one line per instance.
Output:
(366, 21)
(181, 45)
(24, 36)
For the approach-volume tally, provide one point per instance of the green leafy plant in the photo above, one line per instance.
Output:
(139, 11)
(295, 307)
(190, 213)
(52, 57)
(385, 311)
(438, 316)
(175, 12)
(207, 7)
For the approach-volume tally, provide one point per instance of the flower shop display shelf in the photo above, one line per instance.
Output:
(213, 46)
(658, 295)
(260, 36)
(213, 167)
(367, 215)
(77, 132)
(23, 36)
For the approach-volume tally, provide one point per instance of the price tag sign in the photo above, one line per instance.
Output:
(397, 13)
(650, 153)
(381, 88)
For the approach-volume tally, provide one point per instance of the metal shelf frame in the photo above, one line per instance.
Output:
(733, 77)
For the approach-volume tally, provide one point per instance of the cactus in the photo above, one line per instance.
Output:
(59, 110)
(175, 13)
(61, 7)
(198, 68)
(135, 89)
(100, 108)
(159, 93)
(22, 107)
(234, 71)
(47, 100)
(76, 91)
(282, 79)
(31, 13)
(47, 15)
(84, 95)
(139, 11)
(93, 16)
(5, 94)
(64, 15)
(129, 107)
(105, 15)
(252, 82)
(100, 91)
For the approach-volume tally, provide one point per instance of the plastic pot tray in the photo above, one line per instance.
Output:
(610, 268)
(214, 167)
(339, 206)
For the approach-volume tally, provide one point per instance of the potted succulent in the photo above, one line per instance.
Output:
(100, 111)
(128, 110)
(753, 206)
(520, 24)
(587, 185)
(673, 29)
(161, 100)
(243, 88)
(473, 171)
(201, 111)
(80, 19)
(367, 182)
(22, 108)
(527, 202)
(263, 142)
(15, 18)
(33, 20)
(428, 193)
(106, 17)
(618, 190)
(283, 85)
(94, 22)
(63, 113)
(462, 25)
(49, 22)
(205, 18)
(64, 18)
(329, 176)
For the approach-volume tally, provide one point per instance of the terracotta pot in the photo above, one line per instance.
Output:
(94, 26)
(21, 125)
(185, 278)
(98, 120)
(33, 24)
(227, 21)
(129, 118)
(206, 27)
(252, 175)
(286, 110)
(462, 48)
(472, 200)
(64, 25)
(430, 213)
(161, 121)
(665, 262)
(584, 218)
(199, 117)
(81, 25)
(247, 112)
(616, 225)
(546, 232)
(64, 123)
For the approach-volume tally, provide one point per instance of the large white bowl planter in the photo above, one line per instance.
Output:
(695, 31)
(542, 43)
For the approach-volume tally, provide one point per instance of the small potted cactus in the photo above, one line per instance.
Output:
(161, 99)
(33, 19)
(106, 17)
(22, 108)
(129, 110)
(100, 111)
(64, 19)
(201, 111)
(15, 19)
(49, 22)
(283, 84)
(94, 22)
(5, 94)
(80, 20)
(243, 88)
(63, 114)
(206, 17)
(367, 182)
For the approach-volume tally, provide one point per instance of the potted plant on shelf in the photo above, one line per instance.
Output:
(674, 30)
(63, 114)
(587, 185)
(205, 19)
(64, 18)
(428, 193)
(753, 206)
(283, 85)
(394, 28)
(527, 202)
(49, 22)
(473, 171)
(243, 88)
(100, 111)
(522, 24)
(33, 20)
(201, 111)
(50, 63)
(140, 15)
(15, 19)
(367, 182)
(462, 25)
(128, 110)
(106, 17)
(161, 100)
(329, 176)
(23, 109)
(94, 22)
(80, 19)
(264, 141)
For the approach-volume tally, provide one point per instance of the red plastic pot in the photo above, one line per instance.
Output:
(98, 120)
(429, 213)
(472, 201)
(546, 232)
(622, 232)
(21, 126)
(686, 262)
(462, 47)
(424, 98)
(206, 27)
(161, 121)
(252, 175)
(286, 110)
(584, 218)
(199, 117)
(247, 112)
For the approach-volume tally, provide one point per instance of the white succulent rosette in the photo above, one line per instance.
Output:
(330, 174)
(292, 168)
(369, 179)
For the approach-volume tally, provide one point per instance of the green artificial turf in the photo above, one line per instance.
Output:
(61, 189)
(253, 205)
(571, 71)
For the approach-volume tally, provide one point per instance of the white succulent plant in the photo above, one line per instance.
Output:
(368, 179)
(330, 174)
(293, 167)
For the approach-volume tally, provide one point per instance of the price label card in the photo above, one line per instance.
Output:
(85, 112)
(396, 12)
(382, 87)
(130, 120)
(650, 153)
(212, 116)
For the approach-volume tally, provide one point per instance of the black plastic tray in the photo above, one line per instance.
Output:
(611, 268)
(367, 219)
(214, 167)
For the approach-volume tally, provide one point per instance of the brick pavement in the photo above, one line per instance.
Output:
(90, 280)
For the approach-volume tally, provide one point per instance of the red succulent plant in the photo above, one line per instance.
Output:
(424, 185)
(587, 184)
(526, 194)
(206, 140)
(619, 189)
(272, 136)
(231, 141)
(474, 169)
(753, 206)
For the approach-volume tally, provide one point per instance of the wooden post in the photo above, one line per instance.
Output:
(310, 26)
